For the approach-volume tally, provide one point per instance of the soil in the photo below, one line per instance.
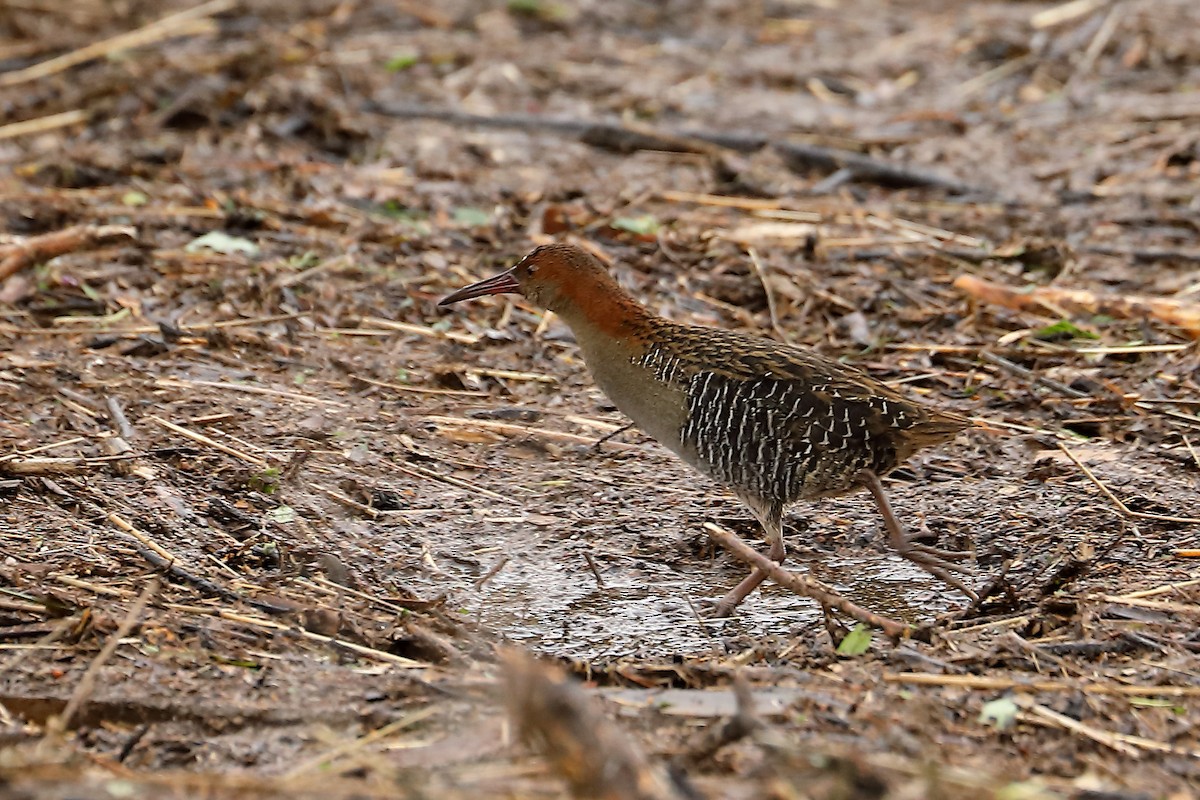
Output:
(275, 524)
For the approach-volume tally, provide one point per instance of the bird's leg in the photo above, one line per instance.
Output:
(773, 527)
(936, 561)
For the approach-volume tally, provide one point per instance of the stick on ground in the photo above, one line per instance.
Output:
(88, 682)
(37, 249)
(589, 751)
(804, 586)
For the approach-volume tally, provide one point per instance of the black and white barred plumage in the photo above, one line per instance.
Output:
(779, 423)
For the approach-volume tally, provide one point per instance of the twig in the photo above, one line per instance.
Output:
(120, 522)
(17, 454)
(1190, 609)
(419, 471)
(772, 309)
(210, 442)
(619, 137)
(1029, 374)
(176, 24)
(1001, 684)
(329, 264)
(1195, 455)
(1062, 720)
(377, 735)
(42, 466)
(1124, 743)
(395, 606)
(807, 587)
(756, 204)
(272, 625)
(1035, 652)
(1103, 36)
(994, 623)
(49, 122)
(1145, 254)
(742, 724)
(402, 387)
(1179, 313)
(969, 87)
(512, 375)
(1116, 501)
(1057, 15)
(611, 434)
(161, 558)
(176, 383)
(55, 633)
(88, 682)
(487, 576)
(421, 330)
(37, 249)
(348, 502)
(1165, 589)
(591, 562)
(76, 583)
(591, 753)
(521, 430)
(142, 329)
(113, 404)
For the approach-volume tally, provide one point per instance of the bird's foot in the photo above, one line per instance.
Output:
(720, 611)
(940, 564)
(936, 556)
(717, 609)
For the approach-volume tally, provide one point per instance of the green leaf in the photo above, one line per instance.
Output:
(1000, 713)
(643, 225)
(1151, 702)
(539, 9)
(857, 641)
(412, 218)
(1158, 702)
(134, 199)
(119, 789)
(220, 242)
(282, 514)
(1024, 790)
(304, 261)
(471, 216)
(266, 481)
(403, 60)
(1064, 329)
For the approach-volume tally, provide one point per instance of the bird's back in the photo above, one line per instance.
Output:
(781, 423)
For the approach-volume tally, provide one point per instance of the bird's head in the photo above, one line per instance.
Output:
(558, 277)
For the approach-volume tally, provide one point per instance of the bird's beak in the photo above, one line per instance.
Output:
(497, 284)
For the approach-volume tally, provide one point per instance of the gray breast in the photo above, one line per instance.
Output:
(648, 390)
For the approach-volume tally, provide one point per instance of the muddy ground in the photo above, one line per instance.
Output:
(271, 519)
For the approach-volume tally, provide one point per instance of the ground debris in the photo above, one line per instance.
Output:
(350, 501)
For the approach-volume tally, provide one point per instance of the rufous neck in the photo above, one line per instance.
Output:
(603, 309)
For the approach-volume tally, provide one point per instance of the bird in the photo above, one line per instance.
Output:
(774, 423)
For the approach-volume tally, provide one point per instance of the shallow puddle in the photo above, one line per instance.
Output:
(647, 609)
